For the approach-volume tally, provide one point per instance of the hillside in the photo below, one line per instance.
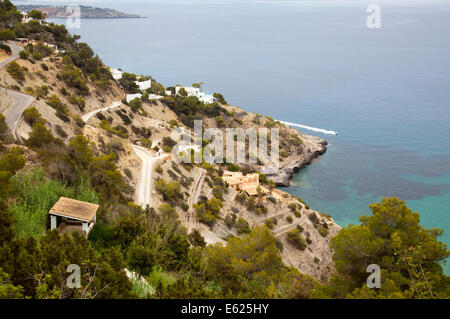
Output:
(87, 12)
(73, 128)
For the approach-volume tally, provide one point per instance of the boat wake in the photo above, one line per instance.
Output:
(309, 128)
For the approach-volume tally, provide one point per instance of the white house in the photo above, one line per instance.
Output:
(144, 85)
(192, 91)
(155, 96)
(26, 17)
(116, 74)
(131, 97)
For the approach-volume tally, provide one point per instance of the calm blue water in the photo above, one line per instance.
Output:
(386, 91)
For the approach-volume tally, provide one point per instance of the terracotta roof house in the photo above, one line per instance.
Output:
(248, 183)
(68, 215)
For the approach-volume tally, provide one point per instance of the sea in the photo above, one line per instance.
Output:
(385, 90)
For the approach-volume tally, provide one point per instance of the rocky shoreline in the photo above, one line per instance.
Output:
(313, 147)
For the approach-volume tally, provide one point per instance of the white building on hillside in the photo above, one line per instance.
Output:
(193, 91)
(131, 97)
(144, 85)
(26, 17)
(116, 74)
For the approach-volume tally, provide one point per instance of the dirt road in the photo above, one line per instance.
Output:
(191, 216)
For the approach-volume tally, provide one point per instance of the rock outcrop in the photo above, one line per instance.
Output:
(313, 147)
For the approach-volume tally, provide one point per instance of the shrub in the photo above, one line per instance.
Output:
(100, 116)
(289, 219)
(269, 223)
(159, 169)
(220, 122)
(135, 104)
(37, 56)
(184, 206)
(59, 130)
(56, 103)
(16, 71)
(230, 220)
(322, 231)
(296, 239)
(242, 226)
(196, 239)
(5, 48)
(219, 97)
(313, 218)
(24, 54)
(166, 210)
(79, 101)
(31, 116)
(171, 191)
(146, 142)
(44, 66)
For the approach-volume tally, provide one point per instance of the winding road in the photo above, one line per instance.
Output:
(87, 116)
(21, 101)
(144, 185)
(15, 54)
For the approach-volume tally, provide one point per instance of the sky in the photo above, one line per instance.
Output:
(325, 2)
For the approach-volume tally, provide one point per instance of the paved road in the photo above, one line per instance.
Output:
(20, 100)
(13, 113)
(144, 185)
(15, 53)
(87, 116)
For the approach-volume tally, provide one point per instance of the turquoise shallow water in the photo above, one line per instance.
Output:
(386, 91)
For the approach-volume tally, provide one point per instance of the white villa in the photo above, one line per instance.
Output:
(144, 85)
(131, 97)
(117, 74)
(26, 17)
(192, 91)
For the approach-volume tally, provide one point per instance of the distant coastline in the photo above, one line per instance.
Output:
(86, 12)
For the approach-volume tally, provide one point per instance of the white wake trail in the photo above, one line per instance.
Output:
(309, 128)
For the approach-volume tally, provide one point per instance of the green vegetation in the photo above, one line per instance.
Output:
(35, 195)
(295, 238)
(154, 244)
(16, 71)
(219, 97)
(209, 211)
(409, 256)
(170, 191)
(31, 115)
